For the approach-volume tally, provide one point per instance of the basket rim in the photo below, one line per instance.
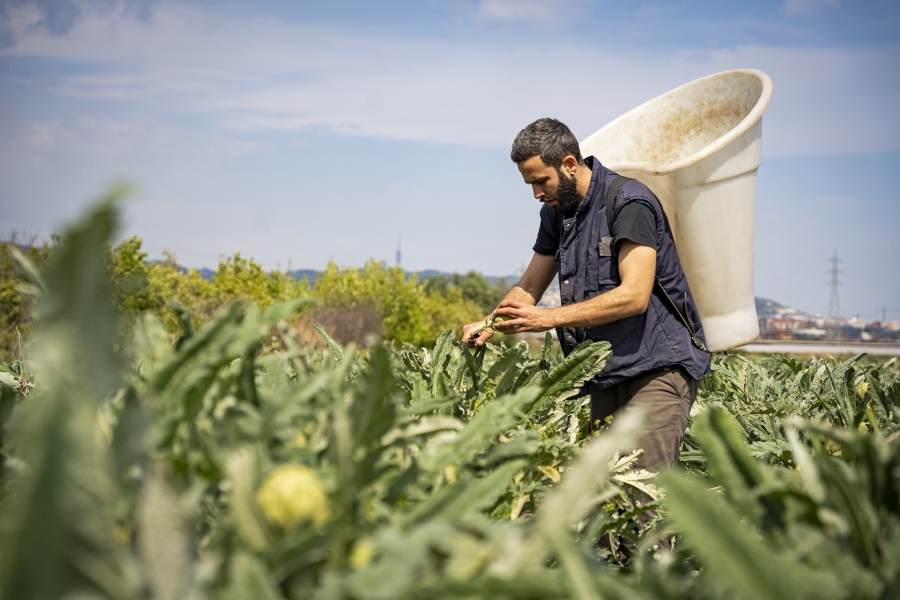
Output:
(755, 114)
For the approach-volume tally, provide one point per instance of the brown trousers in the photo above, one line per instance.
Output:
(666, 397)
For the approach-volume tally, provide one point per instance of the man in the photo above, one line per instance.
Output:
(623, 285)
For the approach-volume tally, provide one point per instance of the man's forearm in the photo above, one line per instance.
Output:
(520, 294)
(613, 305)
(617, 303)
(637, 269)
(534, 281)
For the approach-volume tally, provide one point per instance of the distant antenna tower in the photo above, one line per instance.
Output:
(834, 303)
(398, 251)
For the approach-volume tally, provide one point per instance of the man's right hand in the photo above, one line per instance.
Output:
(480, 338)
(540, 272)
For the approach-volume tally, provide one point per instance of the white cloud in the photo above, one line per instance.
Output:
(536, 12)
(264, 75)
(201, 109)
(117, 136)
(52, 168)
(802, 8)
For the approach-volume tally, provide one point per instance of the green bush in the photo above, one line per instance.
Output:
(353, 303)
(14, 315)
(473, 287)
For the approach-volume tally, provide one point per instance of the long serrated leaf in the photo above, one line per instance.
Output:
(58, 529)
(439, 358)
(507, 367)
(373, 402)
(493, 419)
(214, 334)
(728, 458)
(732, 554)
(848, 497)
(336, 349)
(77, 306)
(474, 369)
(404, 556)
(249, 578)
(58, 526)
(243, 476)
(808, 472)
(566, 379)
(456, 500)
(568, 502)
(151, 347)
(29, 272)
(545, 351)
(422, 426)
(164, 540)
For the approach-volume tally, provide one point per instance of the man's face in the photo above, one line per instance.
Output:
(554, 187)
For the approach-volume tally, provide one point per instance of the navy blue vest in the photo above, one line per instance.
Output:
(588, 266)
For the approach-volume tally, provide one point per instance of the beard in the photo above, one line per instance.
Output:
(566, 195)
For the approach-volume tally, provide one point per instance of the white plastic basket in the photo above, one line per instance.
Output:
(698, 148)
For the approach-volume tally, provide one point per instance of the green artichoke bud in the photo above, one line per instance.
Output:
(491, 322)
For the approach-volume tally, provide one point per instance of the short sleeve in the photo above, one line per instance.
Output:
(548, 233)
(635, 222)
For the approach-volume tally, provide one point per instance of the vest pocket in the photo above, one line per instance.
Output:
(606, 246)
(607, 272)
(602, 267)
(626, 338)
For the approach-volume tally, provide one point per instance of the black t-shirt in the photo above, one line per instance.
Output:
(635, 221)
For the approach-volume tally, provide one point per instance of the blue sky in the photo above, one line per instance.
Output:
(298, 132)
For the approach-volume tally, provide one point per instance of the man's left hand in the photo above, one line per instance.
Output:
(525, 317)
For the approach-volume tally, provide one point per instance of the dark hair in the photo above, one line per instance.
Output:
(548, 138)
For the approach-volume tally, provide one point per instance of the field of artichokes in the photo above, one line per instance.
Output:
(135, 466)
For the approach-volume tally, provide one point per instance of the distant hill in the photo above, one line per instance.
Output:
(429, 273)
(204, 272)
(310, 274)
(766, 307)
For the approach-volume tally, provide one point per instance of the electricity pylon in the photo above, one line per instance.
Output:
(834, 303)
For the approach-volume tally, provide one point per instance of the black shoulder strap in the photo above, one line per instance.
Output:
(614, 187)
(697, 341)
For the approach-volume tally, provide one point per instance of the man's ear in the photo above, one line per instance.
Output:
(569, 164)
